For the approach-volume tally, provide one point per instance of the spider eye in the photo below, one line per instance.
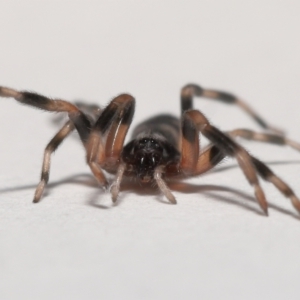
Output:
(142, 143)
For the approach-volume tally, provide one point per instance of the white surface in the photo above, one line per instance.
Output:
(215, 244)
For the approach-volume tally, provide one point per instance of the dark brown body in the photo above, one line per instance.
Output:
(161, 147)
(155, 142)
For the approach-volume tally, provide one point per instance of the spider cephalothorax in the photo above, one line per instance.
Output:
(161, 147)
(144, 154)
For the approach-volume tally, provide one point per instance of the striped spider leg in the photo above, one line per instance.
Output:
(161, 147)
(103, 140)
(105, 143)
(193, 162)
(226, 146)
(189, 91)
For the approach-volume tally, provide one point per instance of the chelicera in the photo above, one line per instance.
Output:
(161, 147)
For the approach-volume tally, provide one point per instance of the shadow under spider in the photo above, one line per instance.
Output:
(210, 190)
(273, 163)
(132, 186)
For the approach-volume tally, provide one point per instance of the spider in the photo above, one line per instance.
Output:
(162, 147)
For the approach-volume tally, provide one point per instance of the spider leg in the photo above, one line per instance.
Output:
(191, 162)
(189, 91)
(38, 101)
(51, 147)
(230, 148)
(80, 121)
(92, 111)
(106, 140)
(122, 108)
(213, 155)
(264, 137)
(208, 159)
(267, 174)
(162, 185)
(189, 156)
(115, 187)
(264, 171)
(190, 146)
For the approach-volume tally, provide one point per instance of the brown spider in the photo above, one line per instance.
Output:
(161, 147)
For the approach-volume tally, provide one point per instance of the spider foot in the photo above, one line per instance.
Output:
(170, 197)
(36, 200)
(115, 187)
(114, 190)
(163, 187)
(39, 192)
(260, 196)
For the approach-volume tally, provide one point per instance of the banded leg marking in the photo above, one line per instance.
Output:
(38, 101)
(119, 127)
(208, 160)
(51, 147)
(110, 130)
(189, 146)
(77, 120)
(95, 152)
(105, 142)
(191, 90)
(264, 137)
(267, 174)
(230, 148)
(80, 121)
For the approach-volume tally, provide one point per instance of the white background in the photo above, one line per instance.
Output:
(216, 243)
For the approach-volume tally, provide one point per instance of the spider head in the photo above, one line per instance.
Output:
(144, 155)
